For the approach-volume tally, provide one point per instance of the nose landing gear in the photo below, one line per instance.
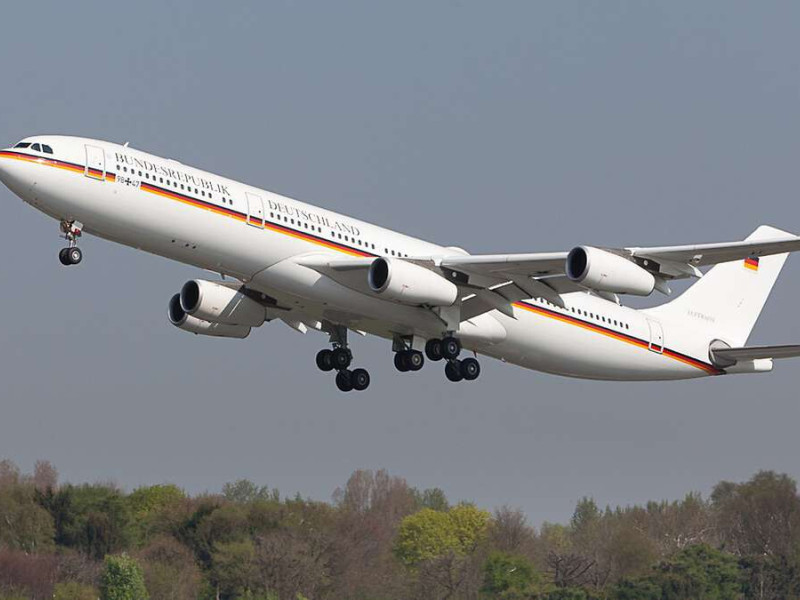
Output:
(71, 255)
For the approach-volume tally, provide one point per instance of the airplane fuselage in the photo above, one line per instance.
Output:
(224, 226)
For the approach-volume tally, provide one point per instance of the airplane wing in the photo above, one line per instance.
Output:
(495, 281)
(673, 262)
(756, 352)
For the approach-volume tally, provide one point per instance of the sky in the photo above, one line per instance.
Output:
(496, 127)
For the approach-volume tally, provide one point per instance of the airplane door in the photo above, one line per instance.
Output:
(255, 210)
(95, 163)
(656, 336)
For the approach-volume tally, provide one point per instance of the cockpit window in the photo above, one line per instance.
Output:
(36, 147)
(47, 149)
(22, 145)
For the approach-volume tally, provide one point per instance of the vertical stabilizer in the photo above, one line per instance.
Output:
(731, 295)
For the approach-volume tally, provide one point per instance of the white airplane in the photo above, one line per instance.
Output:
(557, 312)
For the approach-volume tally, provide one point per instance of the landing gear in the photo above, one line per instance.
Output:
(449, 349)
(433, 350)
(71, 255)
(325, 360)
(470, 369)
(408, 360)
(452, 370)
(340, 359)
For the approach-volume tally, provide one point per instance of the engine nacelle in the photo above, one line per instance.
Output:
(209, 301)
(407, 283)
(178, 317)
(600, 270)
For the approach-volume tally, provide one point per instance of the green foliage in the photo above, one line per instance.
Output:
(234, 569)
(433, 498)
(430, 534)
(244, 491)
(24, 525)
(74, 591)
(170, 571)
(698, 571)
(509, 577)
(122, 579)
(146, 500)
(94, 519)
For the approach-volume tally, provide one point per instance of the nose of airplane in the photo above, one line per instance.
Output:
(3, 166)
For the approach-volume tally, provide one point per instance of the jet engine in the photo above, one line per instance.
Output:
(178, 317)
(209, 301)
(407, 283)
(606, 272)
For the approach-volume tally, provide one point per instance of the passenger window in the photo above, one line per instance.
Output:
(47, 149)
(36, 147)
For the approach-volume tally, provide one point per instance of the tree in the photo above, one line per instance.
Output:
(244, 491)
(698, 571)
(122, 579)
(170, 571)
(759, 521)
(510, 532)
(234, 571)
(24, 524)
(29, 575)
(94, 519)
(439, 547)
(509, 577)
(45, 475)
(433, 498)
(760, 516)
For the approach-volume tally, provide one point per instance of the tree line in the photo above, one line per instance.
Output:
(382, 539)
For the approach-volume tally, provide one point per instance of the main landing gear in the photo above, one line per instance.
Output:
(71, 255)
(339, 359)
(447, 349)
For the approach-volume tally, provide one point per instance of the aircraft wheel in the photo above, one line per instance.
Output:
(433, 349)
(470, 369)
(400, 362)
(325, 360)
(451, 348)
(344, 381)
(74, 255)
(341, 358)
(63, 258)
(415, 360)
(359, 379)
(452, 370)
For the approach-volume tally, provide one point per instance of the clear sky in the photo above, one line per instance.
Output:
(497, 127)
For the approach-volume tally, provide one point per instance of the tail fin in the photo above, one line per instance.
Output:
(731, 295)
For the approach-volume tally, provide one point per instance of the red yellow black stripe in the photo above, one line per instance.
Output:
(751, 263)
(239, 216)
(309, 237)
(618, 335)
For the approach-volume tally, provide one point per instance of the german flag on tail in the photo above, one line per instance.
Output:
(751, 263)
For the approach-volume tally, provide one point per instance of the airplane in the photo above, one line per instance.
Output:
(316, 270)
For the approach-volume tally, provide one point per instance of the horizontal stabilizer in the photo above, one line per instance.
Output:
(757, 352)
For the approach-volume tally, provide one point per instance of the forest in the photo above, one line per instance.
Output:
(381, 539)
